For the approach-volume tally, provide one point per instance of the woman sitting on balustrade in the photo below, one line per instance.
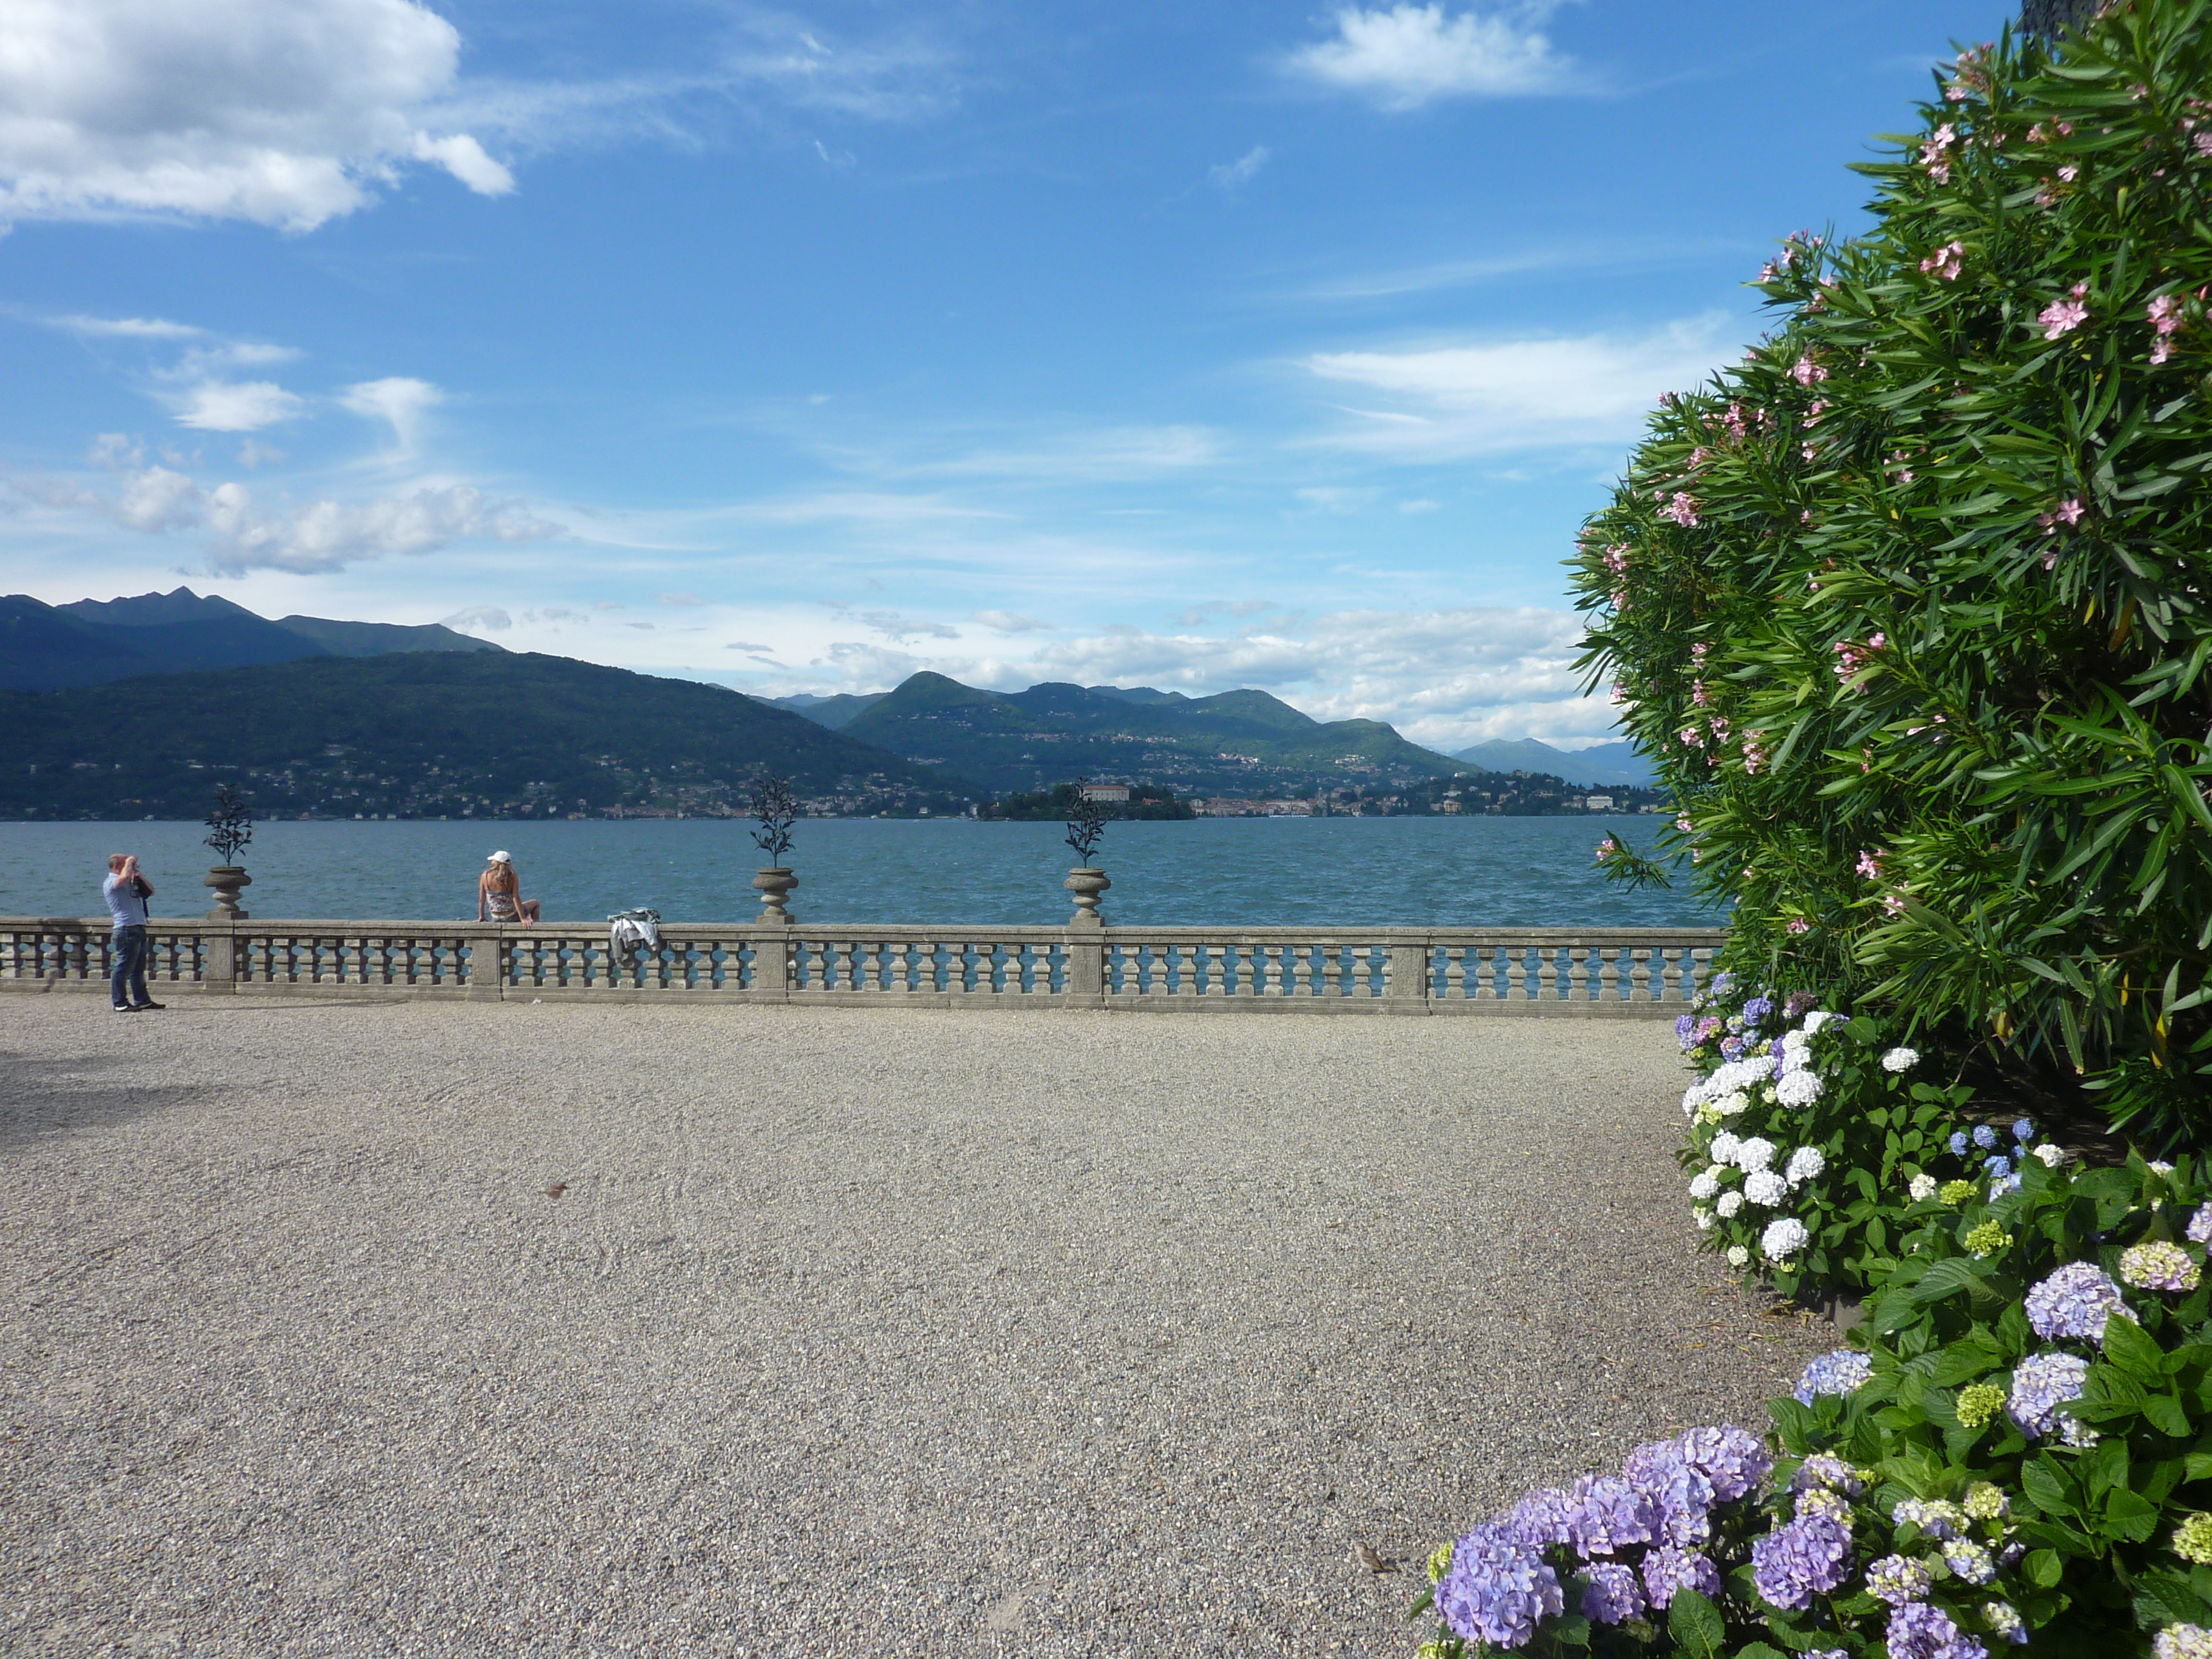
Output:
(499, 894)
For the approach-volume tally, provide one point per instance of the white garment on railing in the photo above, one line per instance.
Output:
(629, 931)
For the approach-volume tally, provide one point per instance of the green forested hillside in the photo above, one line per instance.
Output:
(1239, 743)
(431, 734)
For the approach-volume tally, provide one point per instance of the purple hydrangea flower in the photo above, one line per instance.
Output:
(1958, 1142)
(1839, 1372)
(1496, 1591)
(1757, 1010)
(2041, 1383)
(2024, 1131)
(1918, 1631)
(1666, 1569)
(1612, 1597)
(1732, 1049)
(1537, 1521)
(1734, 1460)
(2074, 1302)
(2200, 1225)
(1609, 1514)
(1827, 1470)
(1794, 1562)
(1684, 1031)
(1898, 1579)
(1996, 1168)
(1797, 1003)
(1984, 1137)
(1682, 1492)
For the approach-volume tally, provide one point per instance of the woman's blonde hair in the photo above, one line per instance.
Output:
(502, 879)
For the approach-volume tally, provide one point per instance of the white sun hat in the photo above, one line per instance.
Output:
(500, 858)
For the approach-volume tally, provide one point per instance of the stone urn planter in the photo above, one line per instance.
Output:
(226, 879)
(776, 886)
(1088, 885)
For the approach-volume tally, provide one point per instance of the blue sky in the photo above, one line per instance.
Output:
(1194, 346)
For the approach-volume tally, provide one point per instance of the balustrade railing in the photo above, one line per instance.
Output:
(1319, 969)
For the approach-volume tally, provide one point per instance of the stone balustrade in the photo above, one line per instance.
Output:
(1617, 972)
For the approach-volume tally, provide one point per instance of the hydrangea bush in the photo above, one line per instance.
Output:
(1909, 606)
(1813, 1138)
(2018, 1452)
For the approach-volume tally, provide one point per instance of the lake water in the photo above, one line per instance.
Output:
(1411, 872)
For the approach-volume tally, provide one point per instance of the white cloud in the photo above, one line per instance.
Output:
(320, 536)
(1241, 171)
(681, 600)
(901, 630)
(277, 112)
(236, 406)
(895, 78)
(465, 158)
(398, 401)
(129, 328)
(1467, 399)
(480, 616)
(1008, 621)
(1411, 55)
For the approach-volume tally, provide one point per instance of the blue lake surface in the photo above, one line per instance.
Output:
(1254, 872)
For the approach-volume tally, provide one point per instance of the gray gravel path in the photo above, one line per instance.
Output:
(907, 1333)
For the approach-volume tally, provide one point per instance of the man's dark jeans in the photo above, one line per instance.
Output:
(130, 975)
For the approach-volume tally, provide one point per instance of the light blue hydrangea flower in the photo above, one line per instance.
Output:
(1839, 1372)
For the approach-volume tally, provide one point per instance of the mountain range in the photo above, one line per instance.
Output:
(455, 734)
(1238, 743)
(1600, 763)
(49, 648)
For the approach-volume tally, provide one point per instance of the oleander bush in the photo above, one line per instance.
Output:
(1911, 605)
(2019, 1451)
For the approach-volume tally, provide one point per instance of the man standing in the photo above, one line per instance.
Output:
(126, 892)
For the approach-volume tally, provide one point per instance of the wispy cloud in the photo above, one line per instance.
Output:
(1234, 175)
(400, 402)
(127, 328)
(1492, 396)
(1411, 55)
(236, 406)
(1008, 622)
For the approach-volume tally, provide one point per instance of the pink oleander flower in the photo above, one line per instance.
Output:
(2201, 141)
(1619, 694)
(2070, 512)
(2062, 317)
(1607, 849)
(1691, 738)
(1935, 155)
(2069, 173)
(1869, 865)
(1698, 653)
(1683, 510)
(1682, 823)
(1754, 752)
(1616, 558)
(1946, 262)
(1720, 728)
(1893, 905)
(1799, 924)
(1806, 372)
(2164, 316)
(1699, 456)
(1697, 693)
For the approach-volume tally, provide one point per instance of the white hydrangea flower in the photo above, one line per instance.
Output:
(2159, 1166)
(1730, 1105)
(1784, 1239)
(1706, 1187)
(1806, 1163)
(1765, 1188)
(2052, 1153)
(1900, 1060)
(1800, 1088)
(1819, 1017)
(1692, 1097)
(1738, 1256)
(1756, 1153)
(1922, 1187)
(1724, 1147)
(1731, 1202)
(1703, 1218)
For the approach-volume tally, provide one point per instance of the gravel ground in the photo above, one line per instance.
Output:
(346, 1329)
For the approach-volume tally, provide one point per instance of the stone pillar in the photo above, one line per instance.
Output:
(219, 968)
(772, 963)
(1086, 966)
(1405, 980)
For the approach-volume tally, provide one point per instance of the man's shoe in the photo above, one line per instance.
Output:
(124, 1008)
(142, 1008)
